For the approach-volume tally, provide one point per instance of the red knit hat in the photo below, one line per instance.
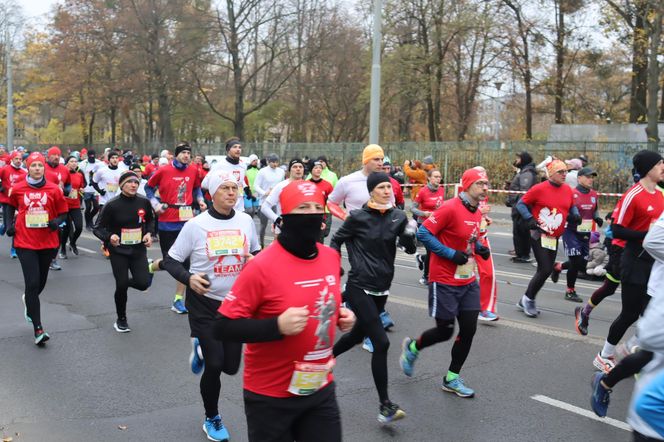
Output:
(35, 156)
(299, 192)
(470, 176)
(54, 150)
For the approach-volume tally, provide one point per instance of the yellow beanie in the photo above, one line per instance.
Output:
(372, 151)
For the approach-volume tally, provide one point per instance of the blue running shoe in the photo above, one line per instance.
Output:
(408, 358)
(487, 316)
(390, 412)
(178, 307)
(25, 310)
(599, 401)
(12, 253)
(196, 357)
(3, 229)
(457, 387)
(215, 430)
(367, 345)
(386, 320)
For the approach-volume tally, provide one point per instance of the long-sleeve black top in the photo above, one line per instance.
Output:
(124, 212)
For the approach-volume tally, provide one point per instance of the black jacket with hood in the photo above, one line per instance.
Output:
(522, 181)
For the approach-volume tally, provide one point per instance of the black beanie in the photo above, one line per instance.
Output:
(525, 158)
(126, 176)
(375, 179)
(294, 161)
(232, 142)
(644, 161)
(181, 148)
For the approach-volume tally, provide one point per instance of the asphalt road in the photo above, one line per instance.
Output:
(89, 383)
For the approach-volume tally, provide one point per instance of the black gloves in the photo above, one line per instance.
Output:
(532, 224)
(102, 192)
(573, 219)
(482, 251)
(11, 231)
(53, 225)
(599, 221)
(459, 258)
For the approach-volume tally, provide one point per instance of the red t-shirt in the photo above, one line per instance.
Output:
(262, 292)
(77, 185)
(36, 206)
(324, 186)
(5, 160)
(614, 216)
(175, 187)
(429, 201)
(550, 205)
(57, 175)
(9, 176)
(455, 227)
(150, 168)
(639, 208)
(397, 191)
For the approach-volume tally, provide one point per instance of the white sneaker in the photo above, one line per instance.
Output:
(604, 364)
(423, 281)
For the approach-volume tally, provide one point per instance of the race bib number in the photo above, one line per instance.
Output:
(224, 242)
(483, 225)
(309, 377)
(549, 242)
(36, 219)
(130, 237)
(185, 213)
(112, 187)
(586, 226)
(73, 194)
(465, 271)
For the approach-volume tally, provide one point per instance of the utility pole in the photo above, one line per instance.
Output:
(496, 110)
(374, 106)
(10, 92)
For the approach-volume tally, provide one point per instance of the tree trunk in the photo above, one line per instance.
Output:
(165, 125)
(653, 76)
(90, 129)
(638, 94)
(560, 61)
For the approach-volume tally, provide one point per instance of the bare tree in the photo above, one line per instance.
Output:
(654, 29)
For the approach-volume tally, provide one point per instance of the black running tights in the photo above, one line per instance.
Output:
(367, 309)
(91, 209)
(607, 289)
(574, 265)
(545, 260)
(73, 228)
(629, 366)
(634, 301)
(34, 264)
(137, 263)
(220, 357)
(445, 329)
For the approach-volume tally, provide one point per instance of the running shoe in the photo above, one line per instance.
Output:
(420, 261)
(390, 412)
(529, 308)
(150, 274)
(572, 296)
(54, 265)
(12, 253)
(196, 357)
(386, 320)
(215, 430)
(178, 307)
(3, 229)
(521, 259)
(62, 254)
(367, 345)
(41, 336)
(581, 322)
(408, 358)
(73, 249)
(555, 274)
(604, 364)
(25, 310)
(121, 326)
(423, 281)
(457, 387)
(487, 316)
(599, 401)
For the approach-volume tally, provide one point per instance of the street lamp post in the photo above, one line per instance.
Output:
(496, 110)
(10, 92)
(374, 106)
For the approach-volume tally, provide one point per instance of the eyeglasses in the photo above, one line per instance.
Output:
(562, 172)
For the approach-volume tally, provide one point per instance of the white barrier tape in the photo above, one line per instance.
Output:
(456, 190)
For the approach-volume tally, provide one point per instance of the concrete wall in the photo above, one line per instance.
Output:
(598, 132)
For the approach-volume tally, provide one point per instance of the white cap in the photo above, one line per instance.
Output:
(164, 153)
(163, 161)
(253, 157)
(216, 179)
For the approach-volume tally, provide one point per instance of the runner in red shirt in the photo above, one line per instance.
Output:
(452, 233)
(74, 227)
(9, 175)
(288, 319)
(55, 172)
(545, 208)
(41, 208)
(326, 188)
(151, 166)
(428, 199)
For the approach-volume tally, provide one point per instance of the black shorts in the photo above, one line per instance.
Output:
(202, 314)
(613, 266)
(446, 301)
(166, 240)
(313, 418)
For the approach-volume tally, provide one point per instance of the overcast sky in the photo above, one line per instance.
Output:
(35, 10)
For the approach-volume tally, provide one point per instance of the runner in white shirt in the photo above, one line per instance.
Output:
(296, 172)
(90, 166)
(218, 242)
(233, 164)
(351, 190)
(105, 180)
(266, 180)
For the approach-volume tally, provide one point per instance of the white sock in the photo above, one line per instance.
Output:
(608, 350)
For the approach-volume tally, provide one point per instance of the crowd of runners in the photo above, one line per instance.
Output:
(211, 220)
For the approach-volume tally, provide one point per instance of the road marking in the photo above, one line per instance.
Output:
(582, 412)
(86, 250)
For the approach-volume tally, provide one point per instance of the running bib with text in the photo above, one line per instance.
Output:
(465, 271)
(130, 237)
(309, 377)
(549, 242)
(73, 194)
(586, 226)
(483, 225)
(185, 213)
(112, 187)
(225, 242)
(36, 219)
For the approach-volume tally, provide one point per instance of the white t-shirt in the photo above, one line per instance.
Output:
(266, 179)
(217, 248)
(88, 167)
(273, 201)
(108, 180)
(238, 170)
(352, 191)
